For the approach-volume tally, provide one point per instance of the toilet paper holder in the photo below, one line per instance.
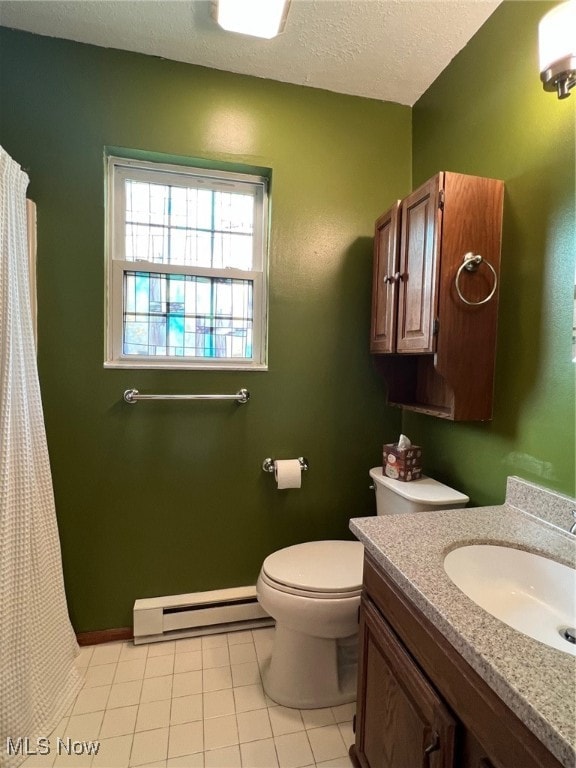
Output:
(268, 464)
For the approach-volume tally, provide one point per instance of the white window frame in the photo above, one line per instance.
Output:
(118, 170)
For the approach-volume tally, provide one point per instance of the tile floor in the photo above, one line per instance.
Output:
(192, 703)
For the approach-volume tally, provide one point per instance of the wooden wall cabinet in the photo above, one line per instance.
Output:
(436, 348)
(420, 704)
(384, 276)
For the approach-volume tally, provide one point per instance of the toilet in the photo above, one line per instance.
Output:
(312, 590)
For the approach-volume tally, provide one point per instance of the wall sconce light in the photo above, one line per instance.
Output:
(557, 44)
(259, 18)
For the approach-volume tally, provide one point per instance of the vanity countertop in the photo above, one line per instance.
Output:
(537, 682)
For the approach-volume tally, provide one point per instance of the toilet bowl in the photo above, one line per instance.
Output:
(312, 590)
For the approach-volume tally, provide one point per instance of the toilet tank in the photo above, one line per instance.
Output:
(394, 497)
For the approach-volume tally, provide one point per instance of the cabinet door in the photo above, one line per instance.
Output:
(401, 721)
(384, 278)
(419, 267)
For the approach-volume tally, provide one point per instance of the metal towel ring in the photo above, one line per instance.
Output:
(470, 263)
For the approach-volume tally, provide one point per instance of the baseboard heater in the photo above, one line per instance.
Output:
(197, 613)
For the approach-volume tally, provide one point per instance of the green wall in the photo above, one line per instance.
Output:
(165, 498)
(488, 115)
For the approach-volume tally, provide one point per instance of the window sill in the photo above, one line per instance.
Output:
(184, 366)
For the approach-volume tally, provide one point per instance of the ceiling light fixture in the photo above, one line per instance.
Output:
(557, 43)
(259, 18)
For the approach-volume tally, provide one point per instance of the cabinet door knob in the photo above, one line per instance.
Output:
(434, 744)
(398, 276)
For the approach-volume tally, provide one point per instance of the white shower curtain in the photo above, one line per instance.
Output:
(38, 678)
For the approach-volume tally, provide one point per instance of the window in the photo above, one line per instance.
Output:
(186, 267)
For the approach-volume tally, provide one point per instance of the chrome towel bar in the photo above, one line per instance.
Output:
(133, 395)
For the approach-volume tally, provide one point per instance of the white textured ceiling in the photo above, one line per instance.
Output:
(390, 50)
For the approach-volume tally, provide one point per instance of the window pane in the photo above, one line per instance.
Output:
(147, 203)
(191, 208)
(234, 212)
(187, 226)
(232, 251)
(187, 316)
(144, 243)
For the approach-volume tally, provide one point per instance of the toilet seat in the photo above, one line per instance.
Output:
(317, 569)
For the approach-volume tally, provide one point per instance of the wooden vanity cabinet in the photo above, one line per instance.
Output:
(408, 721)
(419, 703)
(436, 351)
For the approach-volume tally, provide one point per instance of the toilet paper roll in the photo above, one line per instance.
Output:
(288, 473)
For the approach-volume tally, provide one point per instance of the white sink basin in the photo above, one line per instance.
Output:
(530, 593)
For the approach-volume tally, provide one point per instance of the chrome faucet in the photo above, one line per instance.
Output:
(572, 528)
